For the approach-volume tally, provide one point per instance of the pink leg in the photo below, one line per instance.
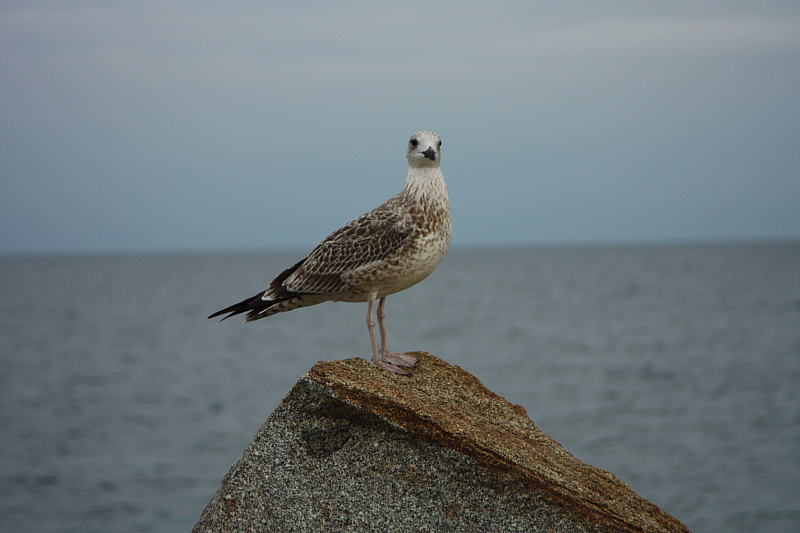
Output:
(376, 355)
(399, 359)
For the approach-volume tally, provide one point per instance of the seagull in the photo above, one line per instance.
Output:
(384, 251)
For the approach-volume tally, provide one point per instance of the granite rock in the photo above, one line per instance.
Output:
(355, 448)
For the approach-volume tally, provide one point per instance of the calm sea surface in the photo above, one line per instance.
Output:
(677, 368)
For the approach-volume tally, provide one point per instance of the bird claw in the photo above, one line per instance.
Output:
(399, 359)
(394, 369)
(394, 362)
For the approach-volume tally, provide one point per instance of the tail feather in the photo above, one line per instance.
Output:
(257, 304)
(254, 303)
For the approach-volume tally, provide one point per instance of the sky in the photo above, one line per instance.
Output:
(134, 126)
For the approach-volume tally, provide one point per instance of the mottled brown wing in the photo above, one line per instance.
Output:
(369, 238)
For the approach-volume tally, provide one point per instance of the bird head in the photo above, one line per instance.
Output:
(424, 150)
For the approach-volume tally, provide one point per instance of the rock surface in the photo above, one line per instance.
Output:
(355, 448)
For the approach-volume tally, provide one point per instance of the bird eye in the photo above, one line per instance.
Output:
(414, 143)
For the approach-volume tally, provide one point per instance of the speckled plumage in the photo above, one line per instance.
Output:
(384, 251)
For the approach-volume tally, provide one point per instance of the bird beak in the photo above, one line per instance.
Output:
(430, 153)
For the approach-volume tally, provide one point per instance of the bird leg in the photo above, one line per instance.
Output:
(399, 359)
(377, 357)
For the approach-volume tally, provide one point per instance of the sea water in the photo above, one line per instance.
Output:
(675, 367)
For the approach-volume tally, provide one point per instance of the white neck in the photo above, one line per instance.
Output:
(425, 185)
